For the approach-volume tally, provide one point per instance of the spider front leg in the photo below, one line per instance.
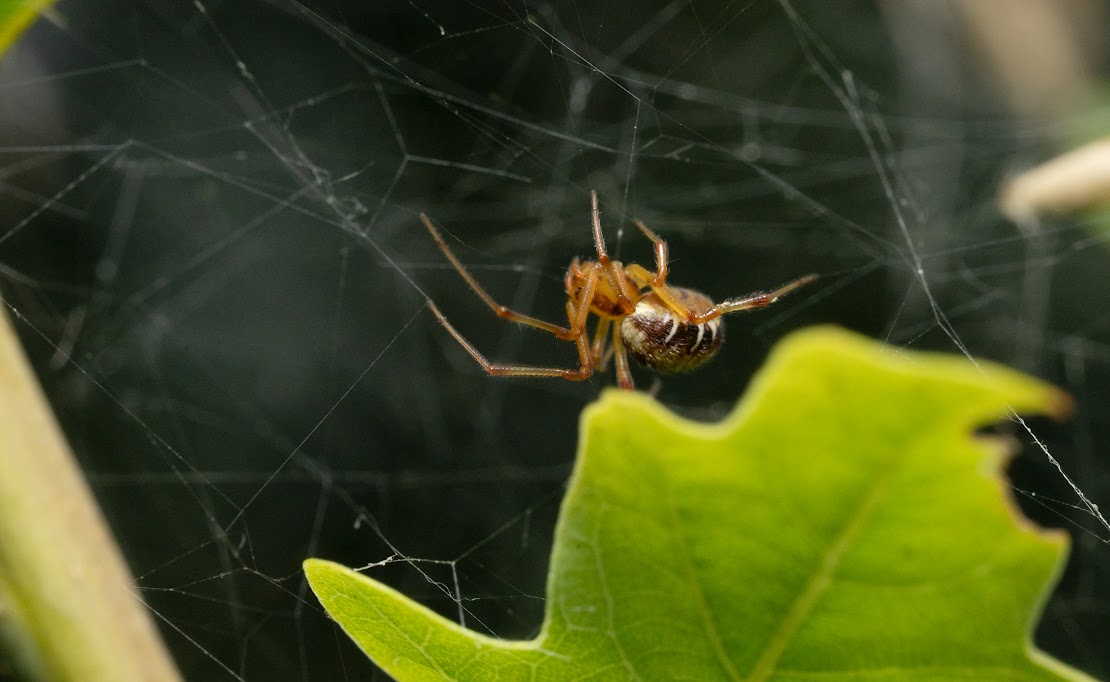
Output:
(756, 300)
(673, 299)
(610, 269)
(660, 254)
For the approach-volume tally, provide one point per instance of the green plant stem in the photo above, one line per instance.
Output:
(69, 609)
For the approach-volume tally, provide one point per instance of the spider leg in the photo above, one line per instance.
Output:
(643, 277)
(756, 300)
(599, 240)
(605, 358)
(660, 253)
(624, 374)
(577, 318)
(501, 311)
(612, 270)
(601, 335)
(585, 361)
(627, 292)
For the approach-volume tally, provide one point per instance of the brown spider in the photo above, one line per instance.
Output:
(669, 329)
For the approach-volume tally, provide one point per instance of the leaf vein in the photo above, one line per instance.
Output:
(708, 624)
(821, 578)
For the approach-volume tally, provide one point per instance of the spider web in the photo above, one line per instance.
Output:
(212, 247)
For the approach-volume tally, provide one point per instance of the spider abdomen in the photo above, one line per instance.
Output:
(657, 337)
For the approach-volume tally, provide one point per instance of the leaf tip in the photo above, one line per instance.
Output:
(990, 390)
(317, 572)
(313, 567)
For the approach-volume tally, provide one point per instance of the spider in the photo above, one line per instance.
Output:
(667, 328)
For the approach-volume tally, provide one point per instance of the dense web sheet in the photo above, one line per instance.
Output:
(210, 240)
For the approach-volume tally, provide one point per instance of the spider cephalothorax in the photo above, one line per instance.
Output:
(667, 328)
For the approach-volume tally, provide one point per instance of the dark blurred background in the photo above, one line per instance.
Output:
(210, 235)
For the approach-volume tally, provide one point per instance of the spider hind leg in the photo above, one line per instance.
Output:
(584, 370)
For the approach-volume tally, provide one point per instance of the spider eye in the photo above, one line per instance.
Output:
(657, 338)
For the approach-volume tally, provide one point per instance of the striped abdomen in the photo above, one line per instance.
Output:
(663, 341)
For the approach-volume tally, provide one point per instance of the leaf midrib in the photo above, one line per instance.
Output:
(821, 578)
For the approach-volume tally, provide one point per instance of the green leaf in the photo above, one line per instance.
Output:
(841, 524)
(15, 17)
